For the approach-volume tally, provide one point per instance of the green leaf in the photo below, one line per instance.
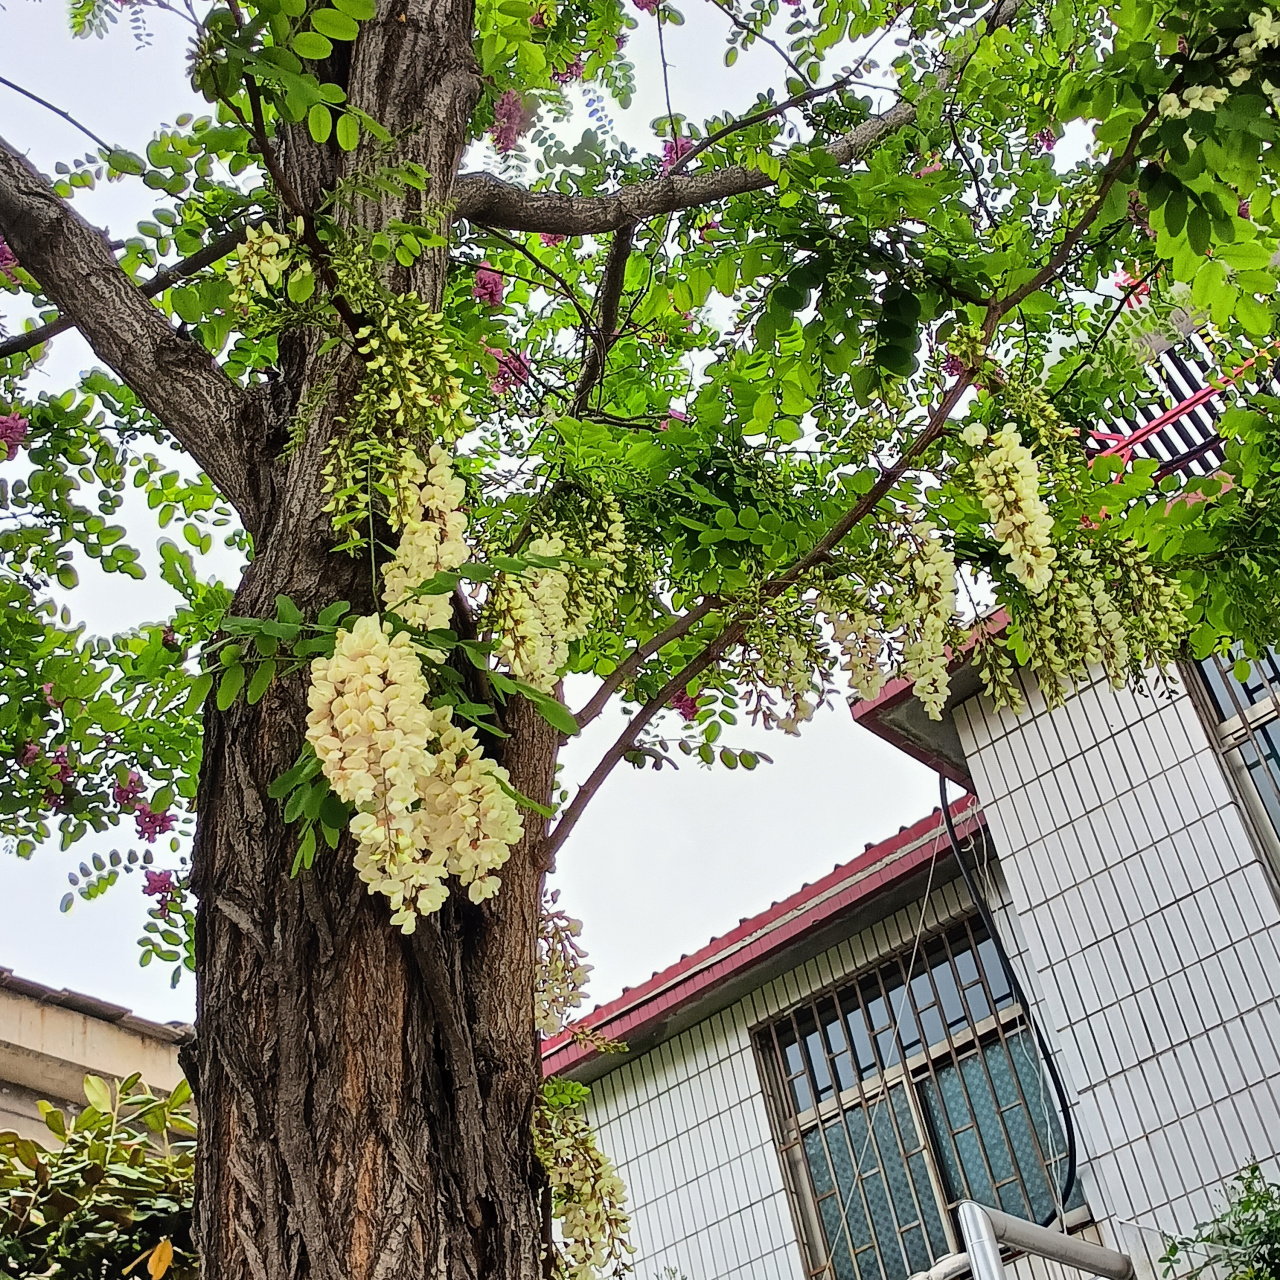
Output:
(302, 284)
(320, 123)
(335, 25)
(229, 689)
(361, 10)
(314, 47)
(553, 711)
(306, 768)
(262, 677)
(1199, 230)
(332, 614)
(348, 132)
(127, 162)
(98, 1093)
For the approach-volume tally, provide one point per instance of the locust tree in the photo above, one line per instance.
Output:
(720, 431)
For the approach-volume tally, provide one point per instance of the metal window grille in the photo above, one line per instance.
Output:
(884, 1131)
(1248, 727)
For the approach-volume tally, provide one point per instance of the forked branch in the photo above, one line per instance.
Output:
(213, 418)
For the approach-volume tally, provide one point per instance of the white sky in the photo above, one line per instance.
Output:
(662, 861)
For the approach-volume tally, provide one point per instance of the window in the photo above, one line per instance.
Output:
(902, 1093)
(1248, 716)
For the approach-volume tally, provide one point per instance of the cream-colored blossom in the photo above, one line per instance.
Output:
(1007, 480)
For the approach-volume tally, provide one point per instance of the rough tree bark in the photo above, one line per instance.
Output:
(366, 1098)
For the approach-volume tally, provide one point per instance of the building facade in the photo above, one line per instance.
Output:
(813, 1093)
(50, 1040)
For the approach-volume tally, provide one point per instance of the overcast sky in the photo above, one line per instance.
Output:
(663, 861)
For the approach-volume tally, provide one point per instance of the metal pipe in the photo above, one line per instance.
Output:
(980, 1242)
(949, 1267)
(985, 1229)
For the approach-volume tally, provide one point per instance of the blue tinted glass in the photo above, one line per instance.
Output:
(994, 972)
(975, 1172)
(837, 1245)
(895, 1168)
(816, 1158)
(983, 1105)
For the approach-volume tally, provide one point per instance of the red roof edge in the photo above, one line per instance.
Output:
(760, 937)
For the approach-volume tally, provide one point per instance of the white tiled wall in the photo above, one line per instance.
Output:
(687, 1125)
(1155, 937)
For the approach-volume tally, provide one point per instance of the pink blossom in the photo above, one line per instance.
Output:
(704, 231)
(8, 261)
(673, 418)
(953, 366)
(29, 754)
(65, 771)
(169, 638)
(647, 6)
(685, 705)
(539, 19)
(151, 824)
(126, 793)
(572, 72)
(550, 239)
(13, 431)
(1046, 139)
(510, 120)
(1139, 288)
(513, 370)
(934, 166)
(158, 883)
(47, 689)
(673, 151)
(1242, 210)
(489, 286)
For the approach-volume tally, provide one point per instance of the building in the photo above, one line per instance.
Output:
(50, 1040)
(811, 1094)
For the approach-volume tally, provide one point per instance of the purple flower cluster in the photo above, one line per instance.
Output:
(151, 825)
(1046, 139)
(13, 431)
(685, 705)
(572, 72)
(29, 754)
(647, 6)
(551, 239)
(513, 370)
(65, 772)
(953, 366)
(488, 286)
(158, 883)
(673, 151)
(126, 793)
(510, 120)
(8, 261)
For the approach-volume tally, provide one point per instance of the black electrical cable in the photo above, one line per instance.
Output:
(984, 912)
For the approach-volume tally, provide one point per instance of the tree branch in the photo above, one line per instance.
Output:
(632, 664)
(214, 419)
(608, 302)
(214, 251)
(481, 197)
(736, 630)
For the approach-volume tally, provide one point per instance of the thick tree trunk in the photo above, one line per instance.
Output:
(365, 1098)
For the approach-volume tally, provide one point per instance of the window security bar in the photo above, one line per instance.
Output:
(985, 1229)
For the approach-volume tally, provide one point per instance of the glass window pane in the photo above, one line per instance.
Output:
(928, 1204)
(994, 971)
(808, 1028)
(885, 1229)
(975, 1171)
(816, 1158)
(895, 1169)
(859, 1039)
(983, 1104)
(837, 1245)
(917, 1251)
(943, 1145)
(944, 979)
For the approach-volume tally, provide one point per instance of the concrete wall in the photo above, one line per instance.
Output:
(1154, 934)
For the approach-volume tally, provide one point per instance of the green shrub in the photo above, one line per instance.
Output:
(1242, 1242)
(115, 1196)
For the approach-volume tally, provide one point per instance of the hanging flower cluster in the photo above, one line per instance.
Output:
(13, 432)
(427, 512)
(587, 1197)
(260, 263)
(538, 614)
(511, 119)
(784, 651)
(8, 262)
(409, 396)
(562, 968)
(429, 803)
(925, 607)
(856, 631)
(1007, 480)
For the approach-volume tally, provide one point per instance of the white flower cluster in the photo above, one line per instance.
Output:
(926, 607)
(1007, 480)
(431, 539)
(856, 632)
(784, 650)
(559, 986)
(537, 615)
(587, 1196)
(1200, 97)
(429, 804)
(260, 262)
